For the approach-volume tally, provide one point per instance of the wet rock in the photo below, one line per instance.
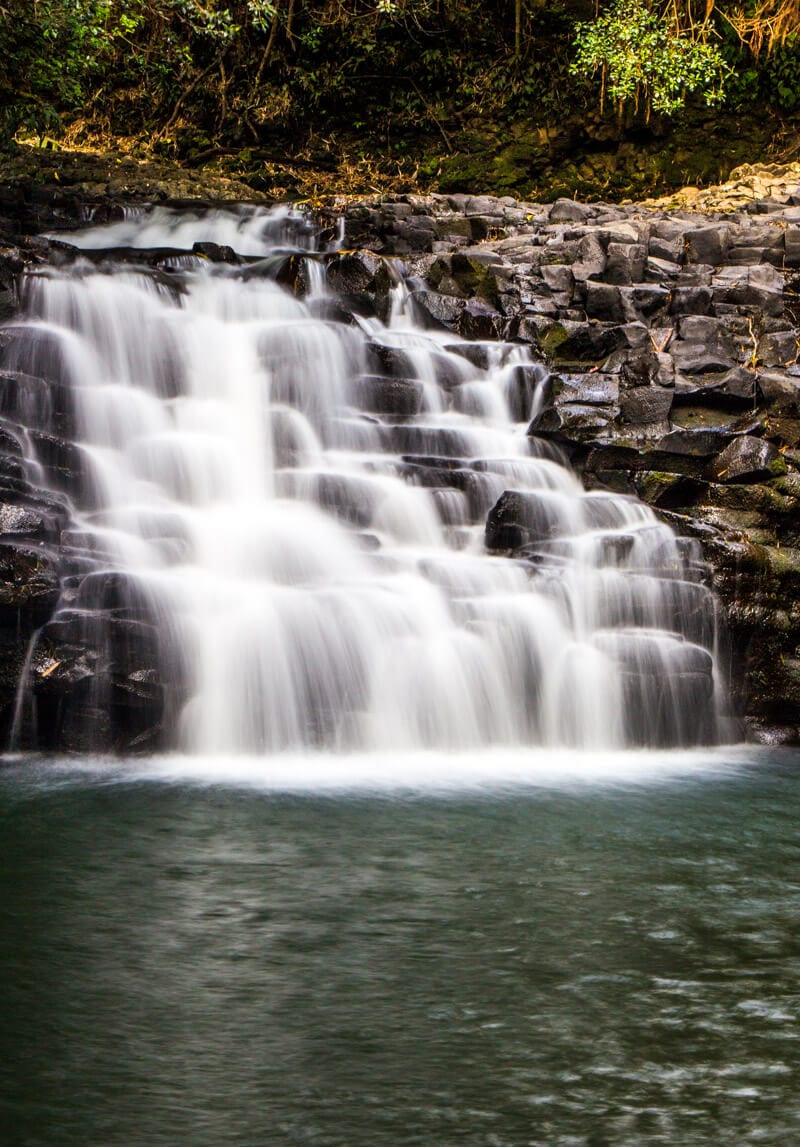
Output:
(723, 418)
(467, 274)
(667, 491)
(395, 396)
(693, 299)
(444, 310)
(559, 277)
(573, 422)
(649, 300)
(747, 459)
(625, 263)
(126, 641)
(735, 388)
(479, 320)
(700, 358)
(691, 442)
(20, 521)
(518, 519)
(412, 235)
(114, 592)
(660, 271)
(778, 349)
(619, 232)
(593, 389)
(646, 405)
(523, 384)
(579, 342)
(669, 249)
(479, 354)
(35, 403)
(604, 303)
(390, 361)
(66, 466)
(29, 585)
(216, 253)
(350, 274)
(780, 390)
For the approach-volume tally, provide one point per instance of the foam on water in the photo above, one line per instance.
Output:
(501, 771)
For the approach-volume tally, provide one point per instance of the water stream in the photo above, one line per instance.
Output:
(292, 494)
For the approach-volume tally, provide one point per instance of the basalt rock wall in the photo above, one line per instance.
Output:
(672, 336)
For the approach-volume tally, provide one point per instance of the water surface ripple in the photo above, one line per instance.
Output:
(570, 964)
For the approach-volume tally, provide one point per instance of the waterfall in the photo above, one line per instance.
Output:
(279, 513)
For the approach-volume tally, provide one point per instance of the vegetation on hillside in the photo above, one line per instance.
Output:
(191, 77)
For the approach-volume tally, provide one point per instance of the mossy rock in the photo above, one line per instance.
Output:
(552, 338)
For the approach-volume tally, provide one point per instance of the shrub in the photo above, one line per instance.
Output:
(645, 60)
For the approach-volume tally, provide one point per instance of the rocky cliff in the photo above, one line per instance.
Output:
(671, 330)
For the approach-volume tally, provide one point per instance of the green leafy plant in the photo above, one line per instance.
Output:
(644, 59)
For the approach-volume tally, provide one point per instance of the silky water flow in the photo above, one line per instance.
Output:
(281, 504)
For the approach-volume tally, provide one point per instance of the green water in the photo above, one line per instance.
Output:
(576, 963)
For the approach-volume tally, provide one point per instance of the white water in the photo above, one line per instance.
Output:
(309, 590)
(391, 774)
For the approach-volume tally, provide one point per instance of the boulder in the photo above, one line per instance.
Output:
(593, 389)
(778, 348)
(520, 518)
(625, 263)
(443, 310)
(746, 459)
(706, 244)
(29, 585)
(401, 397)
(760, 288)
(691, 299)
(351, 274)
(604, 302)
(697, 357)
(646, 405)
(480, 320)
(734, 388)
(573, 422)
(568, 211)
(780, 390)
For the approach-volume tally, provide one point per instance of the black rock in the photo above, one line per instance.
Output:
(29, 585)
(604, 302)
(519, 519)
(646, 405)
(706, 244)
(691, 300)
(396, 396)
(746, 459)
(568, 211)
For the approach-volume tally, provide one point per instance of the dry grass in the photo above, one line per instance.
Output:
(325, 170)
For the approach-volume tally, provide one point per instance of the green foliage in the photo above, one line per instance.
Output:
(262, 13)
(191, 74)
(645, 61)
(780, 77)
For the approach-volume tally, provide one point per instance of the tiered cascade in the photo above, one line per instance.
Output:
(279, 537)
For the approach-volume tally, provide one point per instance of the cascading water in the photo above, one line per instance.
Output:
(279, 515)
